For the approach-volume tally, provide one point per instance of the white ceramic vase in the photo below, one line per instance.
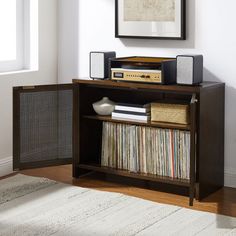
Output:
(104, 107)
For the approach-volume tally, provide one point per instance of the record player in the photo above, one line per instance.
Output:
(144, 69)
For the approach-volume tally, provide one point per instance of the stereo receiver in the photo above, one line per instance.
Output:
(144, 69)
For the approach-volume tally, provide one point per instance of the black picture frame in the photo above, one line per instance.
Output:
(182, 25)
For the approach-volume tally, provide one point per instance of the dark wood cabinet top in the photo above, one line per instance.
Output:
(160, 87)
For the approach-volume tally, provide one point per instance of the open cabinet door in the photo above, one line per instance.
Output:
(42, 126)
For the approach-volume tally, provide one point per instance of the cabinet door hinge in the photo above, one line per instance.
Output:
(28, 87)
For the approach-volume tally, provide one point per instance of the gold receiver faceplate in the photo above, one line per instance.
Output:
(148, 76)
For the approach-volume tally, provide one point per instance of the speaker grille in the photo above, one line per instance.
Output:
(97, 61)
(184, 70)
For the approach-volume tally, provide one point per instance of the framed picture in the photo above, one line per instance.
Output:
(157, 19)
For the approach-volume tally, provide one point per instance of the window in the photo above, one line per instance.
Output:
(18, 35)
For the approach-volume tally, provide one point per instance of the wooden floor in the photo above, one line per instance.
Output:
(222, 202)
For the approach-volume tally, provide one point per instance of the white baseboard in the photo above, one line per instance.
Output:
(230, 178)
(6, 166)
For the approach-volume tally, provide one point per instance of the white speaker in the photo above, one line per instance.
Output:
(99, 64)
(189, 69)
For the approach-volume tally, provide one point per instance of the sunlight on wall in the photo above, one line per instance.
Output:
(8, 30)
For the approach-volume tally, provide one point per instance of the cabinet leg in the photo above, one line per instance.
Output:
(191, 195)
(190, 201)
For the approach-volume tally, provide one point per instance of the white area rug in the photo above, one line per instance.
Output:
(38, 206)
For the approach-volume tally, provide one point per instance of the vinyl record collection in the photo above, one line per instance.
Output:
(140, 149)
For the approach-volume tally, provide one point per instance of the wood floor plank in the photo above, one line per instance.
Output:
(221, 202)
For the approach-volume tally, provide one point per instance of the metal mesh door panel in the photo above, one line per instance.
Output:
(45, 126)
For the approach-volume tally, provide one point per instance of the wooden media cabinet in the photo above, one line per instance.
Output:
(56, 124)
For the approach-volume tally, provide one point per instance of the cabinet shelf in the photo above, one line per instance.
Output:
(126, 173)
(133, 122)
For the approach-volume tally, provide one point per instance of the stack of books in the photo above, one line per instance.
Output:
(125, 111)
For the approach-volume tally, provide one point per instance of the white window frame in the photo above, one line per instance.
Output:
(27, 38)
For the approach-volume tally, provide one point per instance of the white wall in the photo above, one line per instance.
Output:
(47, 74)
(210, 32)
(67, 40)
